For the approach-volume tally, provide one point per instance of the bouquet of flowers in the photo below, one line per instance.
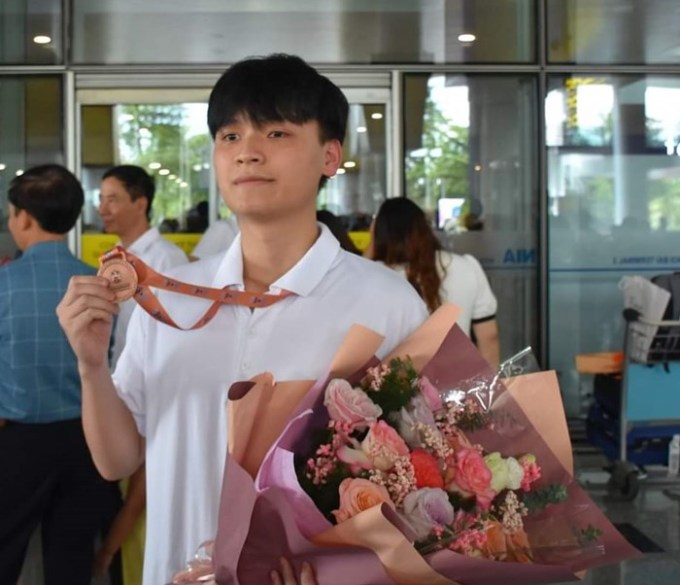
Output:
(425, 468)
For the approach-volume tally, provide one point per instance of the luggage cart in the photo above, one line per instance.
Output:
(633, 420)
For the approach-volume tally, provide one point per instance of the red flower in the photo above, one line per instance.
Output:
(426, 470)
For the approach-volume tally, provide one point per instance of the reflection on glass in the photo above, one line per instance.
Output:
(31, 32)
(470, 164)
(614, 205)
(360, 185)
(30, 134)
(170, 141)
(613, 31)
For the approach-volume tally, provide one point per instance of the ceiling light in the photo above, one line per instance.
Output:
(467, 38)
(184, 184)
(42, 40)
(171, 177)
(350, 164)
(164, 172)
(19, 172)
(2, 167)
(197, 167)
(155, 166)
(376, 116)
(361, 129)
(340, 172)
(478, 168)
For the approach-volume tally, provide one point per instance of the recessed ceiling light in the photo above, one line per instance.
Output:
(2, 167)
(376, 116)
(340, 172)
(361, 129)
(164, 172)
(467, 38)
(42, 40)
(350, 164)
(19, 172)
(155, 165)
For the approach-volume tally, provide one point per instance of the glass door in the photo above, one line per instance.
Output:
(169, 138)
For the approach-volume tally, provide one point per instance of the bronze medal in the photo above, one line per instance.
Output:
(122, 276)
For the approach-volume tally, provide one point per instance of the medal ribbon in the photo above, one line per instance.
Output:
(147, 277)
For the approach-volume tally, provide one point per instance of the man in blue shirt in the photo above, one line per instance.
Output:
(47, 476)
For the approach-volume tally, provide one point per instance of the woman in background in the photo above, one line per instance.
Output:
(403, 240)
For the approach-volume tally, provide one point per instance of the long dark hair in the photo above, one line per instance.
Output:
(402, 235)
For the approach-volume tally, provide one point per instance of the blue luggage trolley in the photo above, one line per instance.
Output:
(633, 421)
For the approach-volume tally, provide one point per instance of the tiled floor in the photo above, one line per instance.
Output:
(655, 512)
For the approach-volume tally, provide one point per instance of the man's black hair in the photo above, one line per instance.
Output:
(49, 193)
(137, 182)
(278, 88)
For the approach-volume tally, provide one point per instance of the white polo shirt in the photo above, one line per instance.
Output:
(159, 254)
(175, 382)
(464, 284)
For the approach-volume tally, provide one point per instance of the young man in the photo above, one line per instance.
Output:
(47, 477)
(278, 128)
(126, 196)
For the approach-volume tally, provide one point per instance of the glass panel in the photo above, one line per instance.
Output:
(30, 32)
(171, 141)
(614, 207)
(358, 31)
(30, 134)
(613, 31)
(359, 188)
(470, 162)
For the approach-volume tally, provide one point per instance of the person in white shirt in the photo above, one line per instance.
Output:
(126, 195)
(278, 127)
(403, 240)
(217, 238)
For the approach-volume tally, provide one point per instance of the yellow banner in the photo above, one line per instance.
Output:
(92, 246)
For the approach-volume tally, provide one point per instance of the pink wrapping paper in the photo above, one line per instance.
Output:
(264, 513)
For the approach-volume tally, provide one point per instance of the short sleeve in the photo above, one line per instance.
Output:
(128, 376)
(485, 303)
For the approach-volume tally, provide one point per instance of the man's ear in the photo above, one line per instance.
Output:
(142, 203)
(332, 157)
(23, 220)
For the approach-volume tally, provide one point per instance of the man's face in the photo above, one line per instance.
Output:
(272, 171)
(117, 209)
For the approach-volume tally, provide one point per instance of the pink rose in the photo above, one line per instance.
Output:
(350, 405)
(469, 475)
(383, 445)
(357, 495)
(430, 394)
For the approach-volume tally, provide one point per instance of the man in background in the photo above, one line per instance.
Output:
(47, 477)
(127, 193)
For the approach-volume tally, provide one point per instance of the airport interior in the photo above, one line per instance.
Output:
(540, 136)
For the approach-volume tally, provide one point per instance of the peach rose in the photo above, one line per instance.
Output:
(469, 475)
(350, 405)
(357, 495)
(383, 445)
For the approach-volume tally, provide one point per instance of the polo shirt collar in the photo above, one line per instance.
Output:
(301, 279)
